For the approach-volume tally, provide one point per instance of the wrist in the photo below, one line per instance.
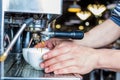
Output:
(99, 62)
(97, 58)
(103, 59)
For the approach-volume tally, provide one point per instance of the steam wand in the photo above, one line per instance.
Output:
(5, 54)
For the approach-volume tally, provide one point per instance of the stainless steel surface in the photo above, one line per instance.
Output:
(36, 6)
(117, 76)
(25, 71)
(1, 27)
(1, 35)
(0, 23)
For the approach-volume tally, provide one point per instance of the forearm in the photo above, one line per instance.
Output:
(109, 59)
(101, 35)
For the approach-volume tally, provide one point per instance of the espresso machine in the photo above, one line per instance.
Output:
(24, 23)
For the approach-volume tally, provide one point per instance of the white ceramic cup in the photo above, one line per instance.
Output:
(33, 56)
(25, 52)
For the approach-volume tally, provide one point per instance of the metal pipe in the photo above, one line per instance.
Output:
(5, 54)
(18, 46)
(27, 39)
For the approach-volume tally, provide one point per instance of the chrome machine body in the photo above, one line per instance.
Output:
(13, 13)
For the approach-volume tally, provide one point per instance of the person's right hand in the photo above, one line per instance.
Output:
(52, 43)
(68, 57)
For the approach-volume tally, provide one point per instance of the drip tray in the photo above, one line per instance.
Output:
(12, 70)
(28, 71)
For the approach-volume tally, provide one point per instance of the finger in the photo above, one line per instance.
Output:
(55, 52)
(57, 59)
(45, 44)
(61, 65)
(53, 42)
(68, 70)
(77, 75)
(49, 44)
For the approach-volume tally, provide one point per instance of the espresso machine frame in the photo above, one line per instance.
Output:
(22, 8)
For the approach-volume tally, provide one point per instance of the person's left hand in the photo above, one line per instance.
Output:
(70, 58)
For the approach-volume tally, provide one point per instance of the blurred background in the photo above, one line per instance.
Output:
(84, 14)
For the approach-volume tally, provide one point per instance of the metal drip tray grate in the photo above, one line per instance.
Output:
(24, 71)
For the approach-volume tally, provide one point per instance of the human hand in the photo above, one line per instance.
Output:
(52, 43)
(70, 58)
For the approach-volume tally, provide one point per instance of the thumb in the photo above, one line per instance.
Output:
(43, 44)
(51, 43)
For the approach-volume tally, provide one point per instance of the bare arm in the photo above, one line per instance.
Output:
(101, 35)
(61, 60)
(97, 37)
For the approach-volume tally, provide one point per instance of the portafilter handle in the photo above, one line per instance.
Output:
(64, 34)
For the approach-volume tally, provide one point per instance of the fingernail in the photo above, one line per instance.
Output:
(46, 70)
(45, 56)
(42, 65)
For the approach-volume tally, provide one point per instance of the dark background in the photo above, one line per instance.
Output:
(66, 16)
